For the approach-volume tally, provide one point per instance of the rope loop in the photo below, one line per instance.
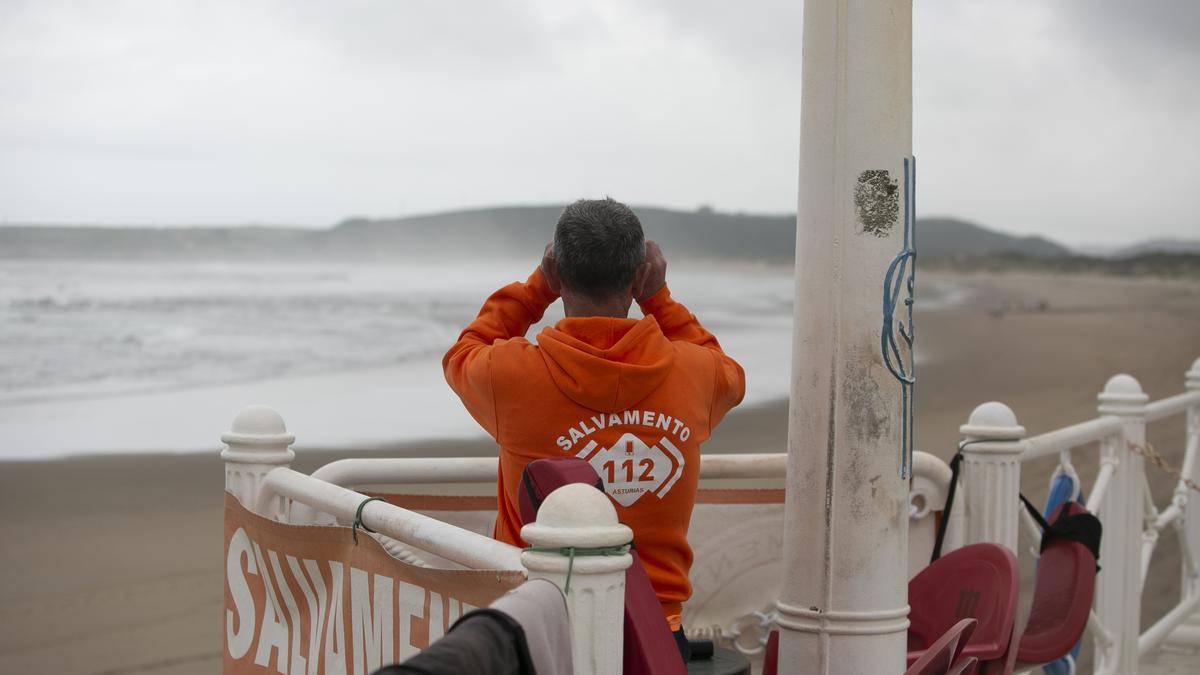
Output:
(358, 518)
(571, 551)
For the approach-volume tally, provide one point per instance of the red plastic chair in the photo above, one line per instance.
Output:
(771, 656)
(965, 666)
(650, 647)
(979, 581)
(1062, 598)
(943, 655)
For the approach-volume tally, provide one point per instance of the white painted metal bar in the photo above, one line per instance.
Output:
(1149, 542)
(1032, 531)
(427, 470)
(1149, 510)
(1103, 642)
(1073, 436)
(1167, 517)
(1108, 465)
(1172, 405)
(409, 470)
(450, 542)
(1163, 627)
(1101, 635)
(1190, 564)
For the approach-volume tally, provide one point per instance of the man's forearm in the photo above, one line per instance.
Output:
(676, 322)
(510, 311)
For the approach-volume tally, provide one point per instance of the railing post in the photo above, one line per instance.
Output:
(1188, 634)
(257, 442)
(581, 517)
(991, 474)
(1119, 591)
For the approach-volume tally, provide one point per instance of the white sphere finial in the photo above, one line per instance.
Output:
(577, 515)
(259, 421)
(1193, 375)
(1123, 385)
(1122, 395)
(994, 421)
(258, 435)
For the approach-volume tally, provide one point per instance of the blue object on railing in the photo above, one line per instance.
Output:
(1060, 491)
(901, 277)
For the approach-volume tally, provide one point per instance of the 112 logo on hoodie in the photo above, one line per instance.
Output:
(631, 468)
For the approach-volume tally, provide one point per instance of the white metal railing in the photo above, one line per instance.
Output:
(400, 471)
(409, 527)
(427, 470)
(257, 456)
(994, 448)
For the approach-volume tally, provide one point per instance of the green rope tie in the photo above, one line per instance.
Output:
(571, 551)
(358, 518)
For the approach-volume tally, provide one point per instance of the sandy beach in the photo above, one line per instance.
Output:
(113, 564)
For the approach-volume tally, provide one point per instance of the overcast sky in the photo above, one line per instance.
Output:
(1077, 119)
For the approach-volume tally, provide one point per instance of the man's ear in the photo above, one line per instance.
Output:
(639, 279)
(550, 271)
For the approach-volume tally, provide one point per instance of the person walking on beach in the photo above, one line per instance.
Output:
(633, 397)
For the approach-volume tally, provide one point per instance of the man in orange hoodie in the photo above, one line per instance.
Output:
(635, 398)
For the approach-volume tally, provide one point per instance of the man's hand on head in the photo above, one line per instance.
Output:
(653, 273)
(550, 269)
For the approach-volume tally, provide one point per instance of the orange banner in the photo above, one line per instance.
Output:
(302, 600)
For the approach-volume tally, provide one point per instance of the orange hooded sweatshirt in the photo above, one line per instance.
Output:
(635, 398)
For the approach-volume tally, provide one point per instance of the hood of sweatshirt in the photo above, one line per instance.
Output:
(604, 363)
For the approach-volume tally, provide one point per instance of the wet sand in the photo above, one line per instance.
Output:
(113, 564)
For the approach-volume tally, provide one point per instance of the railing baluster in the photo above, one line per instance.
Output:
(1188, 633)
(991, 474)
(1119, 588)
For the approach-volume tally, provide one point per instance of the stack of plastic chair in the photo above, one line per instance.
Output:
(944, 656)
(650, 647)
(979, 581)
(1062, 598)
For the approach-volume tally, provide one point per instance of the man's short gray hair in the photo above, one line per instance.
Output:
(598, 246)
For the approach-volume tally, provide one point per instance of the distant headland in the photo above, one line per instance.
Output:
(703, 234)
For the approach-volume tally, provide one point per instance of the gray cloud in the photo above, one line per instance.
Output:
(1072, 118)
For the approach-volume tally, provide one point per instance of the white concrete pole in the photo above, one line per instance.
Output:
(580, 516)
(842, 605)
(1119, 587)
(1188, 634)
(991, 475)
(256, 443)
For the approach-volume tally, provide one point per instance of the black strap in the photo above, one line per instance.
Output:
(955, 466)
(1084, 528)
(1037, 516)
